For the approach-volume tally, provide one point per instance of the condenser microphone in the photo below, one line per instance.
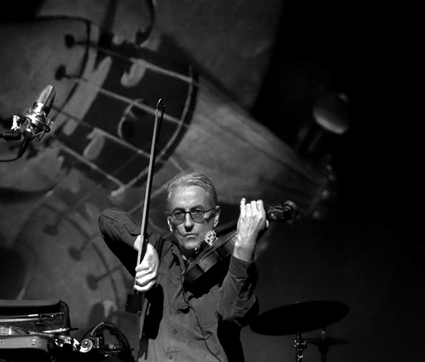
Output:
(36, 121)
(36, 118)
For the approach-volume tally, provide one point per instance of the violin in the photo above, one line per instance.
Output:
(219, 243)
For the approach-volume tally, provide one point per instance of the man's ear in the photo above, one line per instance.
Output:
(170, 225)
(216, 215)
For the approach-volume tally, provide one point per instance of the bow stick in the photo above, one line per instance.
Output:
(135, 300)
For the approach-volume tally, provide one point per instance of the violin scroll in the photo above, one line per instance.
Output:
(285, 211)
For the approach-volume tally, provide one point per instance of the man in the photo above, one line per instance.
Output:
(181, 324)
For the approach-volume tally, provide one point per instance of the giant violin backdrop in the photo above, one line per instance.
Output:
(109, 69)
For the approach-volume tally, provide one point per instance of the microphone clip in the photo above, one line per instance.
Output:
(33, 125)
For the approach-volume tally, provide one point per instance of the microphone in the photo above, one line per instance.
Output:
(36, 121)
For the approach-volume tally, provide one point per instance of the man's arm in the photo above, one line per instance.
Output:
(122, 235)
(238, 302)
(119, 231)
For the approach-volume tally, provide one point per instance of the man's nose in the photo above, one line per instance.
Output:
(188, 221)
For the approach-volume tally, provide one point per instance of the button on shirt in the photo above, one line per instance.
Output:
(180, 324)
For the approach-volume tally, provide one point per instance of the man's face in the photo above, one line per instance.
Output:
(190, 233)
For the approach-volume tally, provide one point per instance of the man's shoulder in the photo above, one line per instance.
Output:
(159, 242)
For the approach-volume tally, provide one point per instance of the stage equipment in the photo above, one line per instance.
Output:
(39, 330)
(35, 330)
(302, 317)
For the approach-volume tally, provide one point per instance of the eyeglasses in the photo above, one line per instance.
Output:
(196, 214)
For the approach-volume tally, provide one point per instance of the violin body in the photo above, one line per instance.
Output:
(215, 253)
(211, 256)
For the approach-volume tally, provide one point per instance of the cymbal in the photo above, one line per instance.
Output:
(299, 317)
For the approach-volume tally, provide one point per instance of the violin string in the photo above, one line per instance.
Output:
(131, 102)
(109, 175)
(190, 78)
(180, 126)
(180, 122)
(141, 62)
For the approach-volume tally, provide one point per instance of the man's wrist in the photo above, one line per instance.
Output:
(243, 251)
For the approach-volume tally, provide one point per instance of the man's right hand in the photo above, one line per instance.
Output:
(147, 270)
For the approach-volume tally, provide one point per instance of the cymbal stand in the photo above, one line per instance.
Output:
(300, 345)
(323, 346)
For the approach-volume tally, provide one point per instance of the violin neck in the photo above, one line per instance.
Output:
(225, 228)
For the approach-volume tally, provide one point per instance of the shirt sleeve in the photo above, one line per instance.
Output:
(119, 231)
(238, 302)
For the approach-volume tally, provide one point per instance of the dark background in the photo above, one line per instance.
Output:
(333, 47)
(344, 47)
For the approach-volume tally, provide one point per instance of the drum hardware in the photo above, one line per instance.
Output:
(302, 317)
(324, 342)
(300, 345)
(330, 119)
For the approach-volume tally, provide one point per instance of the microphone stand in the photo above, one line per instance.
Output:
(15, 135)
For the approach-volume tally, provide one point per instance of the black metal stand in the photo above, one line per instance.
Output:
(300, 345)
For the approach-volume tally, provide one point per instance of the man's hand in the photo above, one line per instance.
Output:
(147, 270)
(252, 224)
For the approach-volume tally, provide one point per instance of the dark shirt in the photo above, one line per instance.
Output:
(181, 324)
